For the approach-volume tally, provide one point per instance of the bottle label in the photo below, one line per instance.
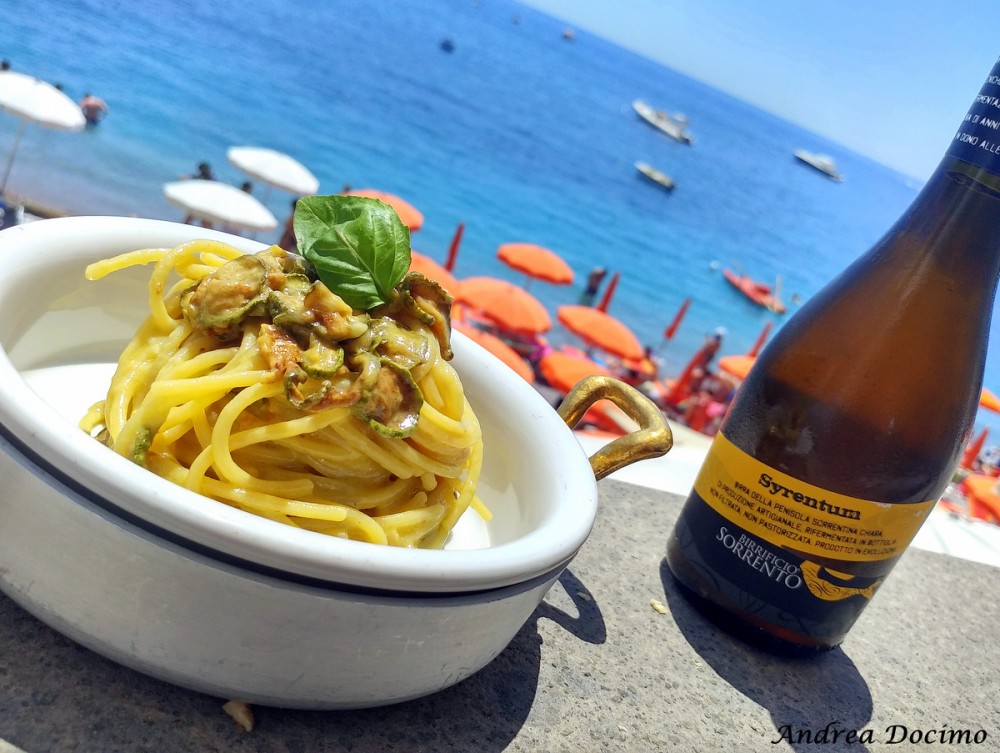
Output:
(762, 541)
(978, 138)
(793, 514)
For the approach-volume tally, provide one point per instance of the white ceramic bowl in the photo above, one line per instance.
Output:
(219, 600)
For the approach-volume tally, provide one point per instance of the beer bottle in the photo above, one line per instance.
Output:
(852, 420)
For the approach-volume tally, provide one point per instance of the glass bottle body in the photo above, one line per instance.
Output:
(849, 426)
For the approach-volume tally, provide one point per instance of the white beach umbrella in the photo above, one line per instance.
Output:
(35, 101)
(219, 202)
(274, 168)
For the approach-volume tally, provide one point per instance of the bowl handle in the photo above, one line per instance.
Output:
(653, 439)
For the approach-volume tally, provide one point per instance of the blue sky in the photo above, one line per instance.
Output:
(890, 79)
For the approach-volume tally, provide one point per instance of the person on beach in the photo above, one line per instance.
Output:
(704, 357)
(711, 347)
(94, 108)
(204, 172)
(532, 347)
(4, 65)
(287, 239)
(594, 280)
(638, 371)
(10, 214)
(704, 409)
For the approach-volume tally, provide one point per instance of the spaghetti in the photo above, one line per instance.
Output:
(253, 384)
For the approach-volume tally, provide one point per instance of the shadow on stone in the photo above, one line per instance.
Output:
(809, 698)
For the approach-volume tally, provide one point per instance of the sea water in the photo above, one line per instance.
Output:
(518, 133)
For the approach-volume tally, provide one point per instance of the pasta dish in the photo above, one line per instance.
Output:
(254, 384)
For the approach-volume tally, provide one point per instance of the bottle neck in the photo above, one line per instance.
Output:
(975, 148)
(956, 217)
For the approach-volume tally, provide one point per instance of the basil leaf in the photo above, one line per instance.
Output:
(359, 246)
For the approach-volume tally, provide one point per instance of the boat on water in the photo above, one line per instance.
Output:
(822, 162)
(656, 176)
(759, 292)
(674, 126)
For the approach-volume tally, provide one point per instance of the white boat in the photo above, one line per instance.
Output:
(822, 162)
(658, 177)
(674, 126)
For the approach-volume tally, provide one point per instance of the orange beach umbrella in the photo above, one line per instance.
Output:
(609, 292)
(671, 330)
(600, 330)
(759, 342)
(737, 366)
(504, 304)
(456, 241)
(563, 371)
(410, 216)
(536, 261)
(990, 401)
(426, 266)
(499, 348)
(984, 499)
(973, 449)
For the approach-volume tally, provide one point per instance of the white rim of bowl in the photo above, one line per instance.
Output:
(33, 423)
